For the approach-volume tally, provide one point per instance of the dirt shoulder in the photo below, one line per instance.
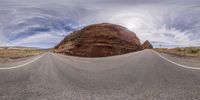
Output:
(184, 58)
(15, 55)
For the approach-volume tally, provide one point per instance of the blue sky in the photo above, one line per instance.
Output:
(44, 23)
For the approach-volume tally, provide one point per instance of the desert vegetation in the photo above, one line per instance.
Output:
(19, 52)
(181, 52)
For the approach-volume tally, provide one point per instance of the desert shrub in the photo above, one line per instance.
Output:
(164, 49)
(192, 50)
(17, 53)
(161, 49)
(178, 49)
(198, 53)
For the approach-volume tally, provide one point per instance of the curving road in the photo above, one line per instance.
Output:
(136, 76)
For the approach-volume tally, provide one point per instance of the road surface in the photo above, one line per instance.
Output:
(141, 75)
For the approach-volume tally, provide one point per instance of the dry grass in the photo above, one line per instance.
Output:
(181, 52)
(19, 53)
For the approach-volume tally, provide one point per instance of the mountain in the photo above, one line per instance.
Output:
(99, 40)
(147, 45)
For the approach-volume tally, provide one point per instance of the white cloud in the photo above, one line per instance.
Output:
(174, 22)
(37, 38)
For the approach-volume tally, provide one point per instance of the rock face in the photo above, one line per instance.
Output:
(99, 40)
(147, 45)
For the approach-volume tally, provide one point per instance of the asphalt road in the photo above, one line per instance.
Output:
(136, 76)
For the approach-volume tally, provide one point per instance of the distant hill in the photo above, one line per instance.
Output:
(99, 40)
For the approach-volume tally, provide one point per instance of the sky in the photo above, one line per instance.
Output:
(44, 23)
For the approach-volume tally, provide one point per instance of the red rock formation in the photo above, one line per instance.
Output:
(147, 45)
(99, 40)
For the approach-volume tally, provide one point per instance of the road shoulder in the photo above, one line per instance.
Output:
(22, 63)
(192, 62)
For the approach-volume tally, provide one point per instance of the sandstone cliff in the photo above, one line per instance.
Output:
(99, 40)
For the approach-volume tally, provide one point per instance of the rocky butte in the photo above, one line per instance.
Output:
(100, 40)
(147, 45)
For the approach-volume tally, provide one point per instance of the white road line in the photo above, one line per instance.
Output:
(18, 66)
(184, 66)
